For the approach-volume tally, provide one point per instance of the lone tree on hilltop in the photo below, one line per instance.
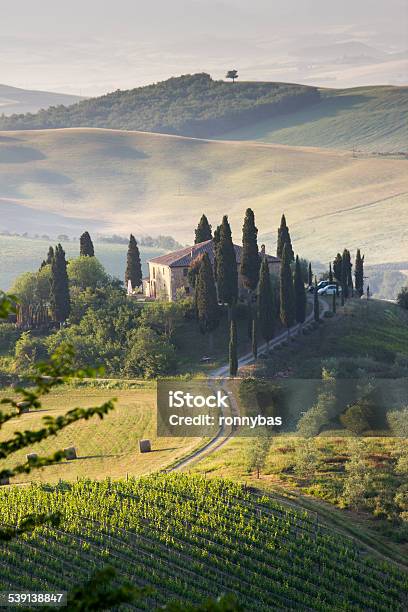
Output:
(227, 273)
(133, 271)
(206, 297)
(59, 297)
(284, 238)
(86, 247)
(266, 304)
(359, 273)
(232, 74)
(203, 231)
(300, 293)
(287, 293)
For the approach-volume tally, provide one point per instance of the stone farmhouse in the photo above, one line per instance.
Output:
(168, 274)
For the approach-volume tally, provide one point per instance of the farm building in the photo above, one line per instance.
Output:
(168, 274)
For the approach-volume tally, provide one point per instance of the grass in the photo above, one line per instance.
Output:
(88, 176)
(370, 119)
(27, 255)
(105, 448)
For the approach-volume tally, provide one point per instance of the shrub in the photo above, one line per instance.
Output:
(8, 336)
(149, 355)
(29, 350)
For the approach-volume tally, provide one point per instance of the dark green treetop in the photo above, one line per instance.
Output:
(203, 231)
(86, 247)
(251, 261)
(133, 271)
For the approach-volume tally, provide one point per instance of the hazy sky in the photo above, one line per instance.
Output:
(94, 46)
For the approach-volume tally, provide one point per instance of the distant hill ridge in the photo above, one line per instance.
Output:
(191, 105)
(368, 119)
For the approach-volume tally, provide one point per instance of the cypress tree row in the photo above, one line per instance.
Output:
(233, 350)
(266, 304)
(133, 271)
(359, 273)
(206, 297)
(86, 248)
(316, 304)
(287, 293)
(203, 231)
(310, 275)
(300, 293)
(227, 272)
(59, 298)
(284, 238)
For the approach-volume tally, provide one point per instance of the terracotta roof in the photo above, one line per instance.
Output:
(184, 257)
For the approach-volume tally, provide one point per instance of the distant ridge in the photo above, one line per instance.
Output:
(15, 100)
(369, 119)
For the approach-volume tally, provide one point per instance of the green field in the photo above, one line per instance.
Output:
(26, 255)
(104, 448)
(189, 538)
(162, 184)
(365, 118)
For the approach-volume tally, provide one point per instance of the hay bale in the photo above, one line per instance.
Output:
(70, 453)
(4, 481)
(145, 446)
(31, 457)
(23, 407)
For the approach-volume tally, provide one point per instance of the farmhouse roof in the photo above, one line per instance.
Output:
(184, 257)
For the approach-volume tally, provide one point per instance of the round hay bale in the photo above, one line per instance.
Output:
(145, 446)
(70, 453)
(23, 407)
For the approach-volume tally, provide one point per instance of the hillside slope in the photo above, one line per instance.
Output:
(189, 538)
(14, 100)
(367, 118)
(162, 184)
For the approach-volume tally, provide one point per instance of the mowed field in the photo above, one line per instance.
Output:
(370, 119)
(105, 448)
(162, 184)
(26, 255)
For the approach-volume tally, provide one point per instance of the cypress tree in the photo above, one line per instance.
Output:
(310, 275)
(266, 303)
(287, 294)
(316, 304)
(216, 241)
(255, 338)
(300, 293)
(48, 260)
(284, 238)
(227, 273)
(334, 305)
(330, 273)
(337, 267)
(233, 351)
(203, 231)
(86, 248)
(133, 271)
(60, 300)
(250, 262)
(206, 297)
(359, 273)
(346, 273)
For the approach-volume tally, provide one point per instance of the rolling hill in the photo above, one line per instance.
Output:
(367, 118)
(14, 100)
(188, 538)
(118, 181)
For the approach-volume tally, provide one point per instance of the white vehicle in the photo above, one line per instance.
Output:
(328, 290)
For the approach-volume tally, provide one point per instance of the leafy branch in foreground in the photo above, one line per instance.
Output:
(8, 305)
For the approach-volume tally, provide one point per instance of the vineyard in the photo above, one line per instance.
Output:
(189, 537)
